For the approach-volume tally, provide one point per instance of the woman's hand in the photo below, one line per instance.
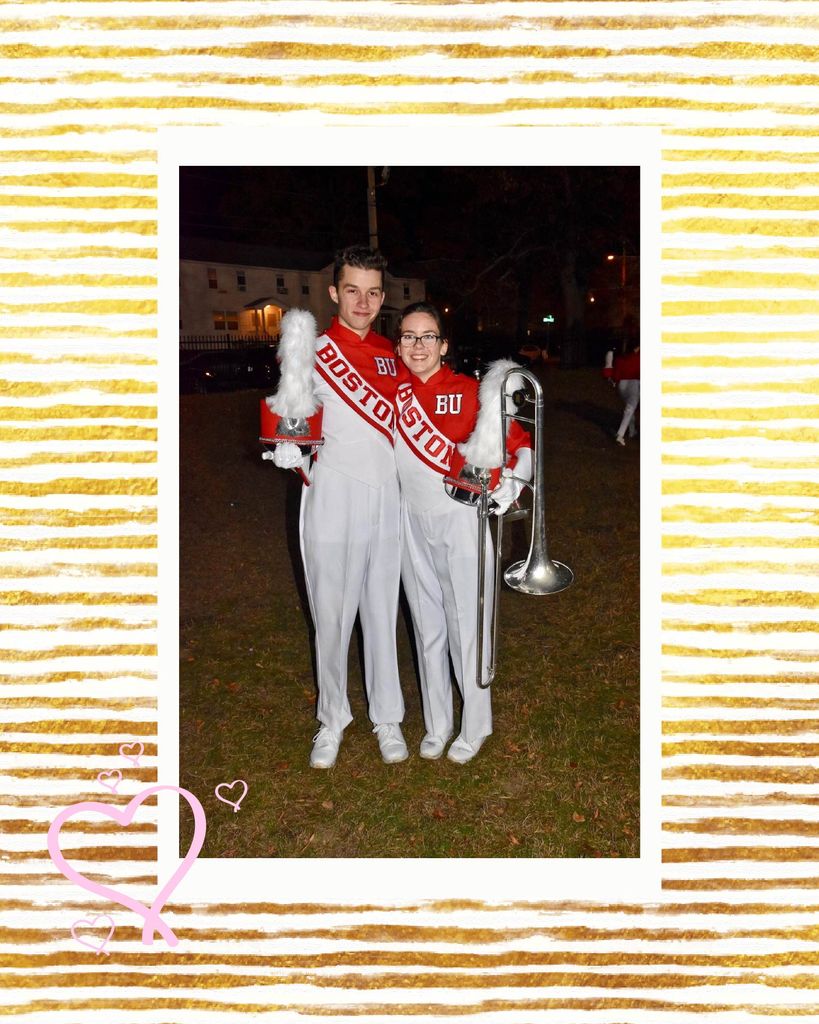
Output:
(512, 481)
(506, 492)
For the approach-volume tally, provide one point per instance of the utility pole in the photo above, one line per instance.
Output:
(372, 213)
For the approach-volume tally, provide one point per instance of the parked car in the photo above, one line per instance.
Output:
(533, 353)
(227, 370)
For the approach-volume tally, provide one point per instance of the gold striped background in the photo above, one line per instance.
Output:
(733, 86)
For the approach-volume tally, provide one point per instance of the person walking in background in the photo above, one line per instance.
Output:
(624, 372)
(437, 408)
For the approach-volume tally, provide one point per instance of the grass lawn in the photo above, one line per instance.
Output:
(560, 775)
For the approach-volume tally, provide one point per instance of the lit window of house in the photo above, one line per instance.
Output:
(241, 281)
(280, 286)
(225, 320)
(212, 282)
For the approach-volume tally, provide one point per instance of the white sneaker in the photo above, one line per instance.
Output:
(325, 748)
(432, 746)
(460, 752)
(391, 742)
(620, 440)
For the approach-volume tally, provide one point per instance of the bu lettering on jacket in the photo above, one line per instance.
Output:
(385, 366)
(448, 405)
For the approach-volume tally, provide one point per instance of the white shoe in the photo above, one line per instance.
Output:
(460, 752)
(325, 748)
(620, 440)
(391, 742)
(432, 746)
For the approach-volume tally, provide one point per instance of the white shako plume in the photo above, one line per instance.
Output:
(294, 396)
(486, 447)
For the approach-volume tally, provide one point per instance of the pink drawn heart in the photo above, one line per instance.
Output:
(108, 785)
(229, 785)
(153, 922)
(90, 922)
(134, 759)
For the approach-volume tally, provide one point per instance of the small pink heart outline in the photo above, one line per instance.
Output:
(107, 785)
(127, 746)
(153, 922)
(91, 922)
(229, 785)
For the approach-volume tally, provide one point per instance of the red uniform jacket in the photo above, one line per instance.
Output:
(437, 414)
(627, 367)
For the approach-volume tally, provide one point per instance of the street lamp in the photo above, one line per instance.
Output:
(622, 257)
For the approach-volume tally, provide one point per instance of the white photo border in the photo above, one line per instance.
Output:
(300, 880)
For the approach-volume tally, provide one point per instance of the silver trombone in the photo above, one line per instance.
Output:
(536, 574)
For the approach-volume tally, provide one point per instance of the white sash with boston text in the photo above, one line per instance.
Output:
(422, 436)
(350, 385)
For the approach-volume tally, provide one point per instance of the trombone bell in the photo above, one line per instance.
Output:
(537, 574)
(546, 577)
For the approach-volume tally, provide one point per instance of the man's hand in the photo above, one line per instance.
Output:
(287, 456)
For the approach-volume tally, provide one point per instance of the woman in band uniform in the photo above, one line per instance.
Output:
(437, 409)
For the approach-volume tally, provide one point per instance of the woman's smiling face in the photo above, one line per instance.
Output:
(420, 345)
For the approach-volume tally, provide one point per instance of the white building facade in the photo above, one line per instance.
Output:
(245, 301)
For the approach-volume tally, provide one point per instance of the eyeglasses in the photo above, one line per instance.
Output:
(427, 340)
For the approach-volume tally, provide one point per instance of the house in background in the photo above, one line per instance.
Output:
(237, 293)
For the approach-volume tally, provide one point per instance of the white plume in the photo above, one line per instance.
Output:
(297, 353)
(485, 446)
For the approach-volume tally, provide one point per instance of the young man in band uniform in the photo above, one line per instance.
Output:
(349, 524)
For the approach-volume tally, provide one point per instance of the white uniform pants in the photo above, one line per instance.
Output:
(439, 570)
(350, 547)
(629, 392)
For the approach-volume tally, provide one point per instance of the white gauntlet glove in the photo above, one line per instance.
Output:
(287, 455)
(505, 493)
(512, 481)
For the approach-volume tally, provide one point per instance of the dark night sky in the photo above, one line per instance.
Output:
(512, 237)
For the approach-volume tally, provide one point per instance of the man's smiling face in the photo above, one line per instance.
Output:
(359, 296)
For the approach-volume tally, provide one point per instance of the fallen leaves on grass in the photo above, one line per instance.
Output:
(563, 715)
(577, 817)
